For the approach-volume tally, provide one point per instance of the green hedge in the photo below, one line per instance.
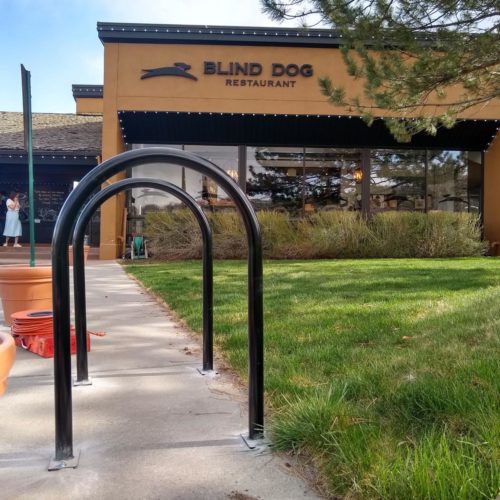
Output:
(176, 235)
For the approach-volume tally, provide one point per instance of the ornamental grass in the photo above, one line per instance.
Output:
(323, 235)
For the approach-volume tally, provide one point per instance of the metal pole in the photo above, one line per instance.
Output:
(62, 353)
(242, 168)
(208, 309)
(28, 139)
(79, 297)
(365, 182)
(79, 268)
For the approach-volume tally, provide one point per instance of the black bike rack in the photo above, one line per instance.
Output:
(82, 371)
(61, 289)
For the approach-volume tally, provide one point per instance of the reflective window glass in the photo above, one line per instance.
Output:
(274, 177)
(397, 180)
(303, 179)
(454, 181)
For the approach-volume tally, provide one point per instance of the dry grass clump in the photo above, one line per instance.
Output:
(173, 235)
(228, 234)
(436, 234)
(335, 235)
(340, 235)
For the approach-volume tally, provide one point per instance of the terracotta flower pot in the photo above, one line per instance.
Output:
(7, 356)
(86, 249)
(24, 287)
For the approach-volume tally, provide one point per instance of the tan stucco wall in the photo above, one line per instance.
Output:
(112, 144)
(89, 105)
(492, 191)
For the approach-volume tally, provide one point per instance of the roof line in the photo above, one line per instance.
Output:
(215, 35)
(86, 91)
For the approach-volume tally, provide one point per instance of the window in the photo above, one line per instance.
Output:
(204, 189)
(397, 180)
(454, 180)
(303, 179)
(425, 180)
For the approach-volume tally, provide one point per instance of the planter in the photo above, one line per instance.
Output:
(86, 249)
(24, 287)
(7, 356)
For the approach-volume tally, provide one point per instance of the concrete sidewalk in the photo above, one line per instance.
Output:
(150, 426)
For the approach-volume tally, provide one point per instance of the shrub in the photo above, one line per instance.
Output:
(335, 234)
(397, 234)
(452, 235)
(228, 235)
(437, 234)
(173, 235)
(279, 236)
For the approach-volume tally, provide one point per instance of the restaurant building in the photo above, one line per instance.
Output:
(248, 99)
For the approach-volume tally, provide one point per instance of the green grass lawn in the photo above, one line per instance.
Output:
(383, 373)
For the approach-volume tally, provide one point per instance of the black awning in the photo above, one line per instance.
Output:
(151, 127)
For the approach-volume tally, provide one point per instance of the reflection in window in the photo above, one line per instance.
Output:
(454, 181)
(426, 180)
(303, 179)
(397, 181)
(203, 189)
(225, 157)
(329, 177)
(274, 177)
(144, 200)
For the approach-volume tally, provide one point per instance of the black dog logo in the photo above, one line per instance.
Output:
(178, 69)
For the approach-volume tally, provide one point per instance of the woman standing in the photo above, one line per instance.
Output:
(13, 227)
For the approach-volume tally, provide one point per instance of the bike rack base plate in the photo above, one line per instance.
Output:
(82, 382)
(70, 463)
